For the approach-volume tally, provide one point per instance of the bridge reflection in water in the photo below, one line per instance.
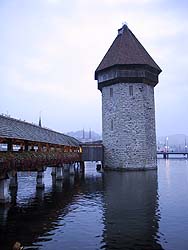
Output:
(93, 211)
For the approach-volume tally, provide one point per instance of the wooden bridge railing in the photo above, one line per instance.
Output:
(30, 161)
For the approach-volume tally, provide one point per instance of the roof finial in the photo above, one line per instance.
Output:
(124, 26)
(40, 122)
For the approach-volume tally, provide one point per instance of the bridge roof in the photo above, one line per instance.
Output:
(126, 50)
(17, 129)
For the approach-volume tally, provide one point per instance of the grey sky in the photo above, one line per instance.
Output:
(51, 48)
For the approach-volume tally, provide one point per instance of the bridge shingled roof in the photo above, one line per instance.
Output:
(17, 129)
(126, 50)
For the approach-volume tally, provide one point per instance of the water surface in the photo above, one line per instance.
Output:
(113, 210)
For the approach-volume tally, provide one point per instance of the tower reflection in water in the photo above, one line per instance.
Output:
(131, 213)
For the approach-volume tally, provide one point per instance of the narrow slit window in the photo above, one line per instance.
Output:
(112, 125)
(131, 90)
(111, 92)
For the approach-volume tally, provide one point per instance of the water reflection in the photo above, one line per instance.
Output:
(27, 222)
(131, 210)
(173, 176)
(83, 211)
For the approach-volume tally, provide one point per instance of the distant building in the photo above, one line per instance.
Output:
(85, 136)
(126, 78)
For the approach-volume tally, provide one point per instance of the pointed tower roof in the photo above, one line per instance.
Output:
(126, 50)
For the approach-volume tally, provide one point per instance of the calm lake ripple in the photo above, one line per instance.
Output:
(111, 210)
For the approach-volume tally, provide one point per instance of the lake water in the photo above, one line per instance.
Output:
(113, 210)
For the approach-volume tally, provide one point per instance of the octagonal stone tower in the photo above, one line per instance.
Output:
(126, 77)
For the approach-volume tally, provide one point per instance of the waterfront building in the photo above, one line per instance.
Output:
(126, 78)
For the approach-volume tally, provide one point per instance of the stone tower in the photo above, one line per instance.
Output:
(126, 77)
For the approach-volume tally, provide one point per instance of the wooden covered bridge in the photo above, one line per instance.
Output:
(25, 146)
(28, 147)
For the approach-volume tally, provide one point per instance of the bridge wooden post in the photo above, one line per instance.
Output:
(82, 166)
(72, 169)
(58, 185)
(53, 178)
(40, 149)
(66, 168)
(40, 179)
(59, 173)
(40, 194)
(66, 173)
(26, 146)
(9, 145)
(58, 178)
(53, 173)
(71, 179)
(13, 179)
(4, 191)
(4, 214)
(72, 173)
(47, 147)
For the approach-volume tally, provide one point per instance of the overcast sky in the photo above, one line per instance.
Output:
(51, 48)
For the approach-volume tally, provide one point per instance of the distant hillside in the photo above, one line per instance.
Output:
(83, 135)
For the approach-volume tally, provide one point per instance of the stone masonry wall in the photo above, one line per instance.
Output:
(128, 116)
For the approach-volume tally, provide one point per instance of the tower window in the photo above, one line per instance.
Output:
(131, 90)
(112, 125)
(111, 92)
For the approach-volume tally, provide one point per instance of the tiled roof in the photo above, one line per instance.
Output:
(126, 50)
(13, 128)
